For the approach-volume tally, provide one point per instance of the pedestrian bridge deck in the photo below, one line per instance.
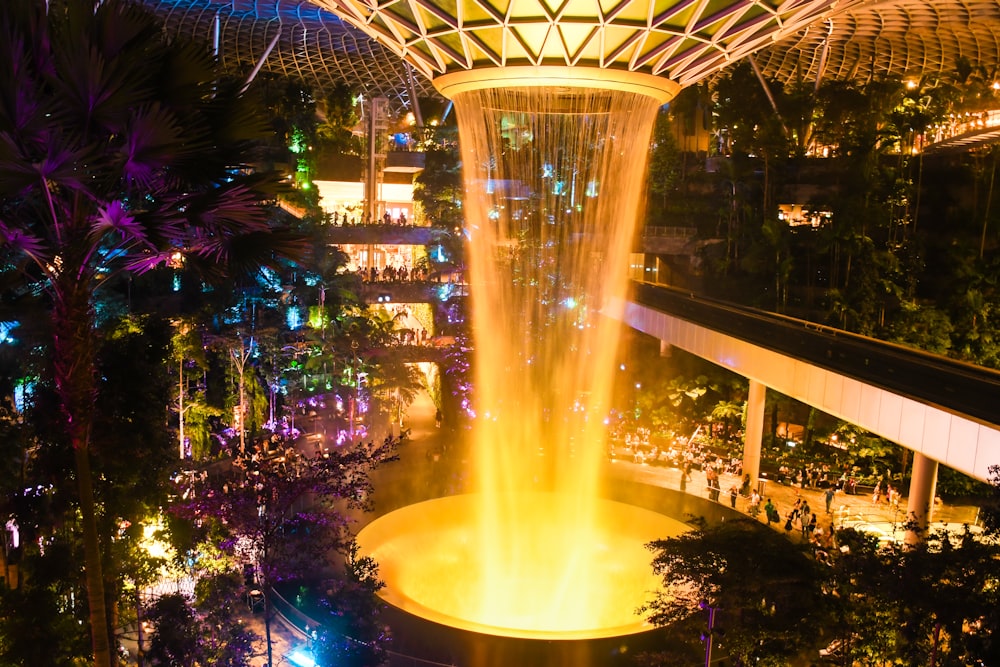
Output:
(939, 407)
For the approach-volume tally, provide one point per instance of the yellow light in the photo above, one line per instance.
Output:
(154, 546)
(434, 559)
(658, 87)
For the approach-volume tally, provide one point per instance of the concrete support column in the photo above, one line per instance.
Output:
(920, 501)
(754, 432)
(666, 349)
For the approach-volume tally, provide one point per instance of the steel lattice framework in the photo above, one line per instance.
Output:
(890, 38)
(312, 43)
(368, 43)
(680, 40)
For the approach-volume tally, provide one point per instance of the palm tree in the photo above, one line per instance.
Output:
(118, 152)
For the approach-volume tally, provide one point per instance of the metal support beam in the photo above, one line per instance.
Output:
(414, 100)
(821, 67)
(767, 91)
(260, 63)
(216, 34)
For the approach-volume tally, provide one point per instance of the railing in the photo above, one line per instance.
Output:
(959, 387)
(298, 623)
(669, 232)
(970, 122)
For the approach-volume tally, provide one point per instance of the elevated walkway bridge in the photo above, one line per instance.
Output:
(943, 409)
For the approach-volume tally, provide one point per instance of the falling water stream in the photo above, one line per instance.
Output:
(554, 182)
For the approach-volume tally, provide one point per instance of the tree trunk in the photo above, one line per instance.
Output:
(73, 361)
(100, 634)
(180, 407)
(989, 201)
(267, 626)
(140, 653)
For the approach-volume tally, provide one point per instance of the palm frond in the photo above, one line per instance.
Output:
(244, 254)
(115, 218)
(232, 208)
(151, 143)
(148, 260)
(16, 173)
(20, 241)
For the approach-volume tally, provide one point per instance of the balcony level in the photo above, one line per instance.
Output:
(406, 162)
(378, 234)
(436, 289)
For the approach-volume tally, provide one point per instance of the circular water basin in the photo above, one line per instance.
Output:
(540, 573)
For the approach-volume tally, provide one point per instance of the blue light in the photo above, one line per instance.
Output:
(300, 658)
(293, 318)
(570, 303)
(5, 332)
(24, 390)
(270, 278)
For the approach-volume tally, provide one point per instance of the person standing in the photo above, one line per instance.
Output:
(733, 494)
(716, 489)
(828, 495)
(754, 505)
(808, 525)
(771, 512)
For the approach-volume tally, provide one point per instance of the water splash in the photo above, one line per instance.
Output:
(554, 184)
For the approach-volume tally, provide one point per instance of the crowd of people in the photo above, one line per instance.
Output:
(350, 218)
(394, 274)
(687, 455)
(815, 525)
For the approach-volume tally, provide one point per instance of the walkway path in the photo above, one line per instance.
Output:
(846, 510)
(429, 459)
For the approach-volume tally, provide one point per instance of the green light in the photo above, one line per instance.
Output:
(317, 318)
(298, 144)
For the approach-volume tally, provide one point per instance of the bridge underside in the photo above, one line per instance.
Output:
(958, 442)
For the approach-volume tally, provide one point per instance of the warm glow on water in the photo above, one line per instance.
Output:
(433, 558)
(554, 182)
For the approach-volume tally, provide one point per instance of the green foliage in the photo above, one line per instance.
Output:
(897, 604)
(26, 637)
(953, 484)
(438, 188)
(765, 588)
(879, 604)
(352, 633)
(990, 511)
(339, 118)
(925, 328)
(876, 458)
(664, 159)
(176, 640)
(223, 637)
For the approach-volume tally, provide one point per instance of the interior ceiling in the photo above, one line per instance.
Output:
(685, 40)
(313, 44)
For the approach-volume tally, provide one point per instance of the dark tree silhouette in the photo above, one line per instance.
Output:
(287, 515)
(118, 152)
